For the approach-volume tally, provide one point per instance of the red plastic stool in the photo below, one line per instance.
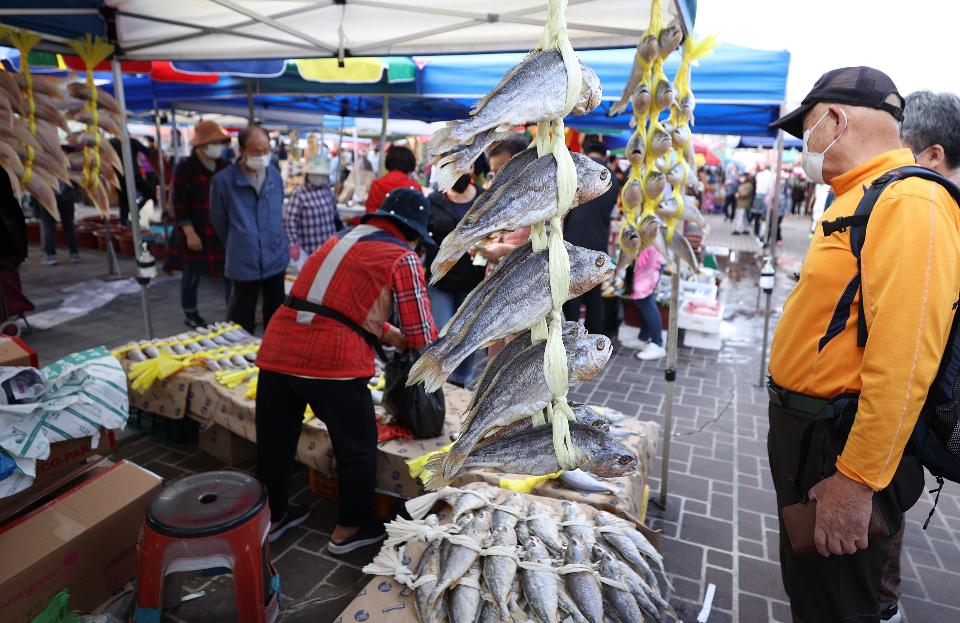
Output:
(203, 522)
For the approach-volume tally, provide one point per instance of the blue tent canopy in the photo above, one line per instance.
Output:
(739, 90)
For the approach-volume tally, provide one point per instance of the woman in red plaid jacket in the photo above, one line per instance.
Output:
(318, 349)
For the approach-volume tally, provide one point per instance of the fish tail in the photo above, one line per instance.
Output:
(442, 140)
(428, 369)
(436, 465)
(450, 251)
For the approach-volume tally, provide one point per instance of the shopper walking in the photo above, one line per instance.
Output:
(246, 209)
(318, 350)
(200, 248)
(448, 294)
(48, 226)
(745, 199)
(311, 214)
(849, 377)
(730, 185)
(646, 275)
(400, 164)
(589, 227)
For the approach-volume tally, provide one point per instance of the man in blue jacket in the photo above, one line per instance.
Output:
(246, 209)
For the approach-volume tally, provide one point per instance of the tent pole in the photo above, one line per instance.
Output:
(340, 150)
(131, 192)
(774, 230)
(775, 210)
(161, 192)
(250, 115)
(670, 375)
(356, 163)
(383, 136)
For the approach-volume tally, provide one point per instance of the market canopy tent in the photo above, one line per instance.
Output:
(739, 90)
(265, 29)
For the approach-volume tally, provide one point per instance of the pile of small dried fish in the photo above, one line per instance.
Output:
(506, 557)
(214, 345)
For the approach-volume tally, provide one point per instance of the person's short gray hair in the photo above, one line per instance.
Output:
(933, 119)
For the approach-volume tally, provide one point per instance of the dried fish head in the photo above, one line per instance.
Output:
(654, 183)
(590, 91)
(665, 95)
(669, 40)
(649, 229)
(587, 269)
(648, 48)
(636, 148)
(591, 355)
(641, 99)
(676, 174)
(593, 178)
(632, 195)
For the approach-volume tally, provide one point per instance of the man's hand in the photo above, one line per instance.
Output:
(394, 337)
(844, 507)
(193, 240)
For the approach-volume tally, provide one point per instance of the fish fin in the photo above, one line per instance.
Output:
(428, 369)
(616, 109)
(451, 168)
(441, 267)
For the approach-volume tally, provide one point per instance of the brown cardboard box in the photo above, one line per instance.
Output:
(66, 460)
(14, 352)
(84, 540)
(228, 447)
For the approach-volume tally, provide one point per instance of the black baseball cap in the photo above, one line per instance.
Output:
(409, 208)
(857, 86)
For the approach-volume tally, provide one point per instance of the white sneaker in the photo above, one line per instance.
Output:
(651, 353)
(634, 342)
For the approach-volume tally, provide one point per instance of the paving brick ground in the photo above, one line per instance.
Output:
(719, 523)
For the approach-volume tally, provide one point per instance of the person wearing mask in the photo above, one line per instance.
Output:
(311, 214)
(745, 198)
(200, 248)
(401, 163)
(498, 156)
(246, 209)
(856, 462)
(588, 226)
(446, 296)
(318, 349)
(646, 275)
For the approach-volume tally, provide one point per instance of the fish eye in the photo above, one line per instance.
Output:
(604, 174)
(625, 459)
(601, 344)
(600, 261)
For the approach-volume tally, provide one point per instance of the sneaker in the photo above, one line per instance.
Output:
(651, 353)
(364, 536)
(194, 320)
(296, 514)
(74, 258)
(891, 614)
(50, 260)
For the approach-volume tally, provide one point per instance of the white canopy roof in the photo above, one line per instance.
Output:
(222, 29)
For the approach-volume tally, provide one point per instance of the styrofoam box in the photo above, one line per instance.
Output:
(696, 322)
(699, 339)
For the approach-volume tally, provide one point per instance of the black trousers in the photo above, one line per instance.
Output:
(729, 205)
(803, 448)
(242, 307)
(346, 407)
(594, 303)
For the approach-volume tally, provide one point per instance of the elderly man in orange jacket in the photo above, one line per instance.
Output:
(841, 412)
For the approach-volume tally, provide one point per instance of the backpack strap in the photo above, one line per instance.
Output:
(857, 223)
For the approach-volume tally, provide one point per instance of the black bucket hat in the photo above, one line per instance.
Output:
(409, 208)
(857, 86)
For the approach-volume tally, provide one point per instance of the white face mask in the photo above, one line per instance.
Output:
(213, 150)
(258, 163)
(318, 179)
(812, 162)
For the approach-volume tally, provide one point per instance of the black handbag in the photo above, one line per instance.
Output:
(413, 407)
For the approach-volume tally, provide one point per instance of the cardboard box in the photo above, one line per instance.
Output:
(228, 447)
(66, 460)
(84, 540)
(699, 322)
(14, 352)
(698, 339)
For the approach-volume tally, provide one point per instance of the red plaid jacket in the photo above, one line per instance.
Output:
(377, 276)
(191, 205)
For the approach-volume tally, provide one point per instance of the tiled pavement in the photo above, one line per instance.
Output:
(719, 524)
